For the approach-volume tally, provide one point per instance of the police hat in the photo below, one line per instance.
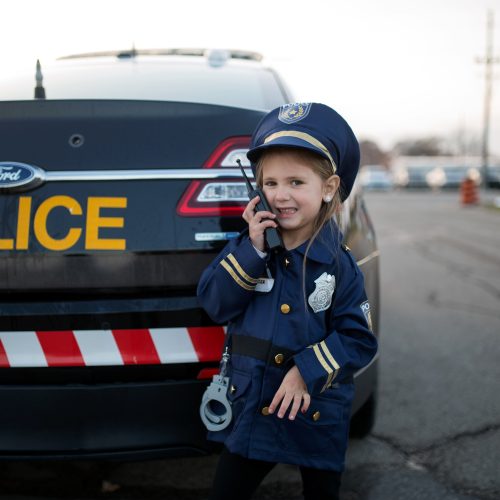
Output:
(311, 126)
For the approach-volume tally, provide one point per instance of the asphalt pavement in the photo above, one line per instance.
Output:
(437, 434)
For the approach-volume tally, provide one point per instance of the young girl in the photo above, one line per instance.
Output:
(298, 319)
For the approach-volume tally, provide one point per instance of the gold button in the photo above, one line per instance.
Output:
(316, 415)
(232, 389)
(265, 411)
(285, 308)
(278, 359)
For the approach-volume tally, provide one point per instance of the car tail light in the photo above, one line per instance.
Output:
(207, 373)
(221, 196)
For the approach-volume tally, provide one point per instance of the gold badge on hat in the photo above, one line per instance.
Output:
(291, 113)
(321, 298)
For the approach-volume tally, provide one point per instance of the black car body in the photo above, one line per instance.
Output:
(116, 190)
(493, 176)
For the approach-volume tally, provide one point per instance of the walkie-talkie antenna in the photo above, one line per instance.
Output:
(247, 181)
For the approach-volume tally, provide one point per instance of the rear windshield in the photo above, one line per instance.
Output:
(237, 83)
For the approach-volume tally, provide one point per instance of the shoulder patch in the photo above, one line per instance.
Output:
(365, 307)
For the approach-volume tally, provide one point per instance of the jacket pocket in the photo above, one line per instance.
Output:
(320, 428)
(237, 394)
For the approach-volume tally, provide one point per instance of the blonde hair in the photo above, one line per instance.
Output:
(329, 213)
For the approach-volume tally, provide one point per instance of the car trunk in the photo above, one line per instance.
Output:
(95, 227)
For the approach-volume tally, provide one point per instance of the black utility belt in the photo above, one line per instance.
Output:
(265, 350)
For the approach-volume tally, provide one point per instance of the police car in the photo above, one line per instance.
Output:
(118, 186)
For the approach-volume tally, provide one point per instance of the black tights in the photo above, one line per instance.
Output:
(237, 477)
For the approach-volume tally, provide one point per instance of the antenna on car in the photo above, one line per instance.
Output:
(39, 89)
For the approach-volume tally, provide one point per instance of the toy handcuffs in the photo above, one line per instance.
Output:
(215, 408)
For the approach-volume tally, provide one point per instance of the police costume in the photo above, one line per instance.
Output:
(326, 333)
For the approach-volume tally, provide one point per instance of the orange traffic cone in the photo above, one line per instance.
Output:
(468, 192)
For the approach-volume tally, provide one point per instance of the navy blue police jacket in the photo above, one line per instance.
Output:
(327, 335)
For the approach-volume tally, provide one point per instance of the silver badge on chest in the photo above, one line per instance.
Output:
(321, 298)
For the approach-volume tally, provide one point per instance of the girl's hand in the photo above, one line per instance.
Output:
(257, 223)
(292, 389)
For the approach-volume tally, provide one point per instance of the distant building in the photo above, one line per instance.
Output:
(437, 171)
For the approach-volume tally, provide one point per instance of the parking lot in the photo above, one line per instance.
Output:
(437, 434)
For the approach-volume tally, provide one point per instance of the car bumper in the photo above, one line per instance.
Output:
(133, 420)
(115, 421)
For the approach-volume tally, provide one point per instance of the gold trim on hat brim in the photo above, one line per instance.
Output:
(304, 137)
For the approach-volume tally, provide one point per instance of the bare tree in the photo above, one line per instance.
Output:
(425, 146)
(371, 154)
(461, 142)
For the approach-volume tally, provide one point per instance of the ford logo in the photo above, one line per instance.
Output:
(19, 176)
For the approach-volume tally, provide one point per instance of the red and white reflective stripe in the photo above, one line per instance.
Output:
(110, 347)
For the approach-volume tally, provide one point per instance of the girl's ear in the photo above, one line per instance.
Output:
(330, 187)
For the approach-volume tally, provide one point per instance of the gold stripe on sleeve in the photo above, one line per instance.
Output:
(330, 358)
(238, 268)
(235, 277)
(325, 365)
(328, 354)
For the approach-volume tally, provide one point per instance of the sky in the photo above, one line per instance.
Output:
(395, 69)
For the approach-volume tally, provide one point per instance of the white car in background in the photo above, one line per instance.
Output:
(376, 177)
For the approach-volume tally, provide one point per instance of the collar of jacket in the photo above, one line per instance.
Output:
(325, 247)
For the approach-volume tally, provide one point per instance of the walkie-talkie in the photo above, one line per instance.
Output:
(271, 234)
